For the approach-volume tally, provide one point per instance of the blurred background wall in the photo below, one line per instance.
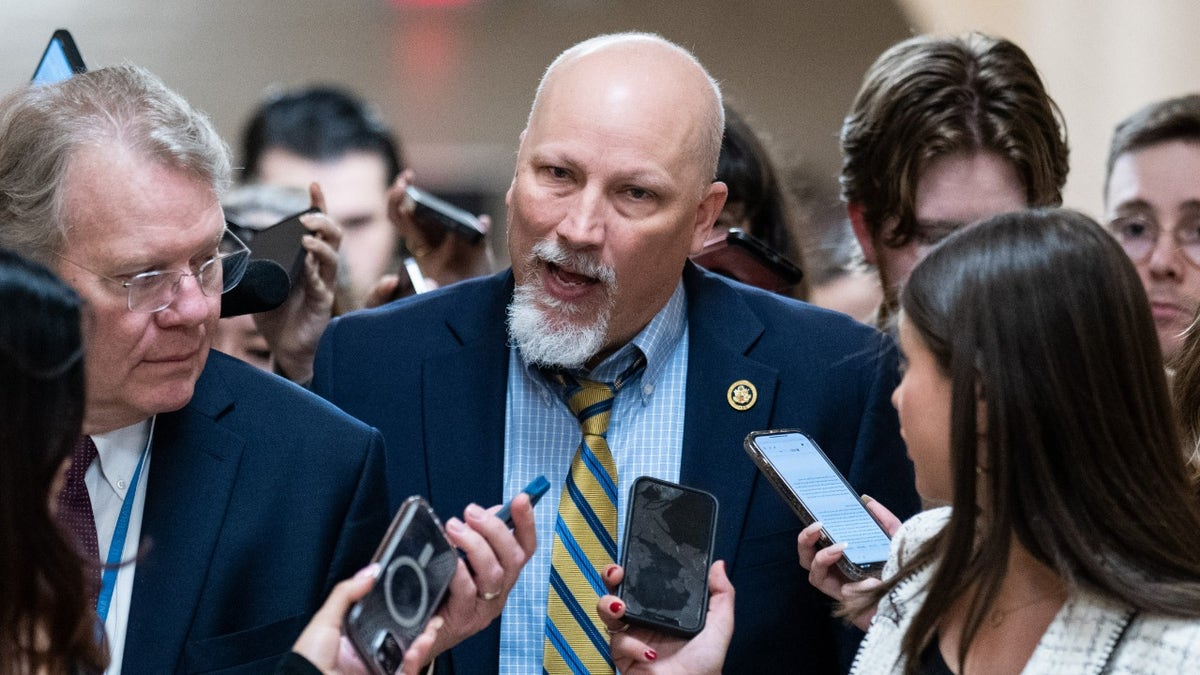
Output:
(455, 77)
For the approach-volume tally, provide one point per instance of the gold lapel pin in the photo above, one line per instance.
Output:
(741, 395)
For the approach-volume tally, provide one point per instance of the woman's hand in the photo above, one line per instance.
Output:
(821, 563)
(323, 644)
(639, 650)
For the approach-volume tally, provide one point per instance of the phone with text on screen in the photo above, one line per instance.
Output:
(801, 473)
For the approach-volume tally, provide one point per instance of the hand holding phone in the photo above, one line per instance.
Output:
(703, 653)
(670, 532)
(814, 488)
(417, 564)
(280, 243)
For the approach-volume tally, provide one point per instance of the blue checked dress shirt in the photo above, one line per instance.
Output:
(541, 436)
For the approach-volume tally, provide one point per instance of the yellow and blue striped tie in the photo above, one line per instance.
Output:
(585, 535)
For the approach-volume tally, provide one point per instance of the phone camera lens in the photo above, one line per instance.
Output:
(389, 655)
(407, 592)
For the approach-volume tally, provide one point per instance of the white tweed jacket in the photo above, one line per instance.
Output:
(1091, 634)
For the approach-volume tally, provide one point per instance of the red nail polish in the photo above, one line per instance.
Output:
(651, 655)
(609, 572)
(615, 607)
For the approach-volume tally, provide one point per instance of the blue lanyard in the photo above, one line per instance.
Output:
(116, 548)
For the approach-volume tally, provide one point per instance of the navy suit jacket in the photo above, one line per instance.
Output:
(431, 373)
(261, 497)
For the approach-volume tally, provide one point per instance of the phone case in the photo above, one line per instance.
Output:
(850, 570)
(741, 256)
(279, 243)
(418, 563)
(461, 222)
(636, 612)
(60, 59)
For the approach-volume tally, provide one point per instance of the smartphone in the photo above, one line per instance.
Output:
(814, 488)
(670, 532)
(431, 209)
(740, 256)
(280, 243)
(60, 60)
(418, 564)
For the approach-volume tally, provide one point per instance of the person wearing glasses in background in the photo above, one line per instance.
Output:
(223, 502)
(1152, 207)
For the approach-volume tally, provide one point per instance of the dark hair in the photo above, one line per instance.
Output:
(747, 169)
(46, 623)
(318, 123)
(1186, 390)
(1042, 316)
(928, 97)
(1175, 119)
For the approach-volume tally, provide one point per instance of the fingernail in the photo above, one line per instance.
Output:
(436, 623)
(371, 571)
(609, 571)
(840, 546)
(615, 607)
(651, 655)
(454, 525)
(866, 499)
(475, 512)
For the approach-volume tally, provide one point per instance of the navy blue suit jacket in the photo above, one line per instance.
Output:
(261, 497)
(431, 373)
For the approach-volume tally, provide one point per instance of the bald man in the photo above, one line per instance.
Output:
(613, 189)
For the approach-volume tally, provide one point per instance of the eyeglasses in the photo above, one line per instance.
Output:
(1138, 235)
(154, 291)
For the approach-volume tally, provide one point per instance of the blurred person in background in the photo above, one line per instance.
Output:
(1152, 207)
(327, 135)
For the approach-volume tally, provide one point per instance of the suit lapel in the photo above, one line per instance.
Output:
(193, 467)
(465, 450)
(713, 458)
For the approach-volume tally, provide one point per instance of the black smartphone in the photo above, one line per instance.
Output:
(279, 242)
(740, 256)
(668, 547)
(814, 488)
(428, 208)
(418, 564)
(60, 60)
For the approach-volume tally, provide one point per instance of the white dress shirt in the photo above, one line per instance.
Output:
(108, 482)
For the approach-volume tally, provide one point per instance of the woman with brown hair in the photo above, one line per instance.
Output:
(1034, 402)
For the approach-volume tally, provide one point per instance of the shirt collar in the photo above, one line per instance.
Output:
(118, 452)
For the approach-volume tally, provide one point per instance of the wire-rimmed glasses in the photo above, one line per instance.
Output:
(154, 291)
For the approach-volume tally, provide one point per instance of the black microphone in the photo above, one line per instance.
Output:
(263, 287)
